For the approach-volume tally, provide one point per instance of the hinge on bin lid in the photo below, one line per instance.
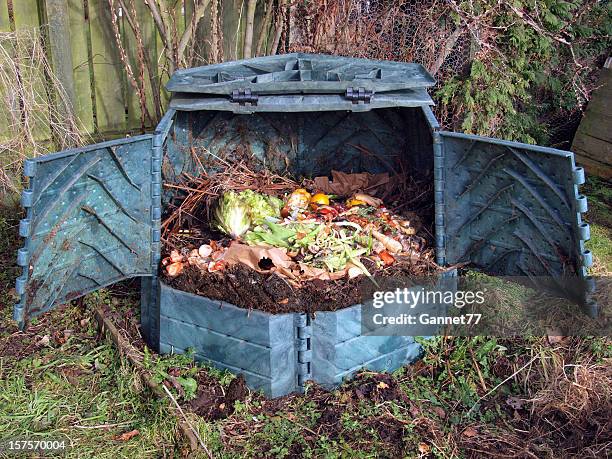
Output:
(244, 96)
(359, 95)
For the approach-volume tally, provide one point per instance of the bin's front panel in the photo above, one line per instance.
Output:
(511, 208)
(88, 222)
(340, 349)
(259, 345)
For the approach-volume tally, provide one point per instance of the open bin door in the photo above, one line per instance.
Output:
(512, 209)
(89, 222)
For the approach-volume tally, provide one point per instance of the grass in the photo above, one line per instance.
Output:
(599, 216)
(468, 397)
(81, 392)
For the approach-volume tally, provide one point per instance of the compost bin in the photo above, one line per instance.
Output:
(94, 214)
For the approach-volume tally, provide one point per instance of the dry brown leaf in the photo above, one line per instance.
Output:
(554, 338)
(256, 256)
(382, 385)
(127, 435)
(470, 432)
(424, 448)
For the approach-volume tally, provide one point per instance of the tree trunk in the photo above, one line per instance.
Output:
(248, 33)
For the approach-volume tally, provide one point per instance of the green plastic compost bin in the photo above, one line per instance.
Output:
(93, 213)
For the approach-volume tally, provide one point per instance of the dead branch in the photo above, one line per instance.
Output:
(33, 126)
(161, 27)
(138, 85)
(198, 14)
(143, 56)
(279, 27)
(449, 44)
(134, 357)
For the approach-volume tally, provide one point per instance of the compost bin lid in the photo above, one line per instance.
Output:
(300, 73)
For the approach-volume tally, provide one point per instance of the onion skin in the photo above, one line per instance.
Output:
(175, 269)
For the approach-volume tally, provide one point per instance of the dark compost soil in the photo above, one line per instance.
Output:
(244, 287)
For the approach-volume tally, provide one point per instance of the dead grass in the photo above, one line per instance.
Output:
(35, 106)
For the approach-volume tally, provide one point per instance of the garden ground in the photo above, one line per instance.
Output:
(545, 396)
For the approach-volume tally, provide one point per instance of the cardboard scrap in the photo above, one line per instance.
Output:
(343, 184)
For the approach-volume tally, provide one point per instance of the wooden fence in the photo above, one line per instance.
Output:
(81, 46)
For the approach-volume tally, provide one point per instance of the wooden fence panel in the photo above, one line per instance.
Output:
(80, 60)
(5, 25)
(109, 76)
(105, 102)
(148, 32)
(27, 16)
(25, 13)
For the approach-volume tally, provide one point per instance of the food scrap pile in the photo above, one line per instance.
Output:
(305, 235)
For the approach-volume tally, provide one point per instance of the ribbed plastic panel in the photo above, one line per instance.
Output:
(277, 353)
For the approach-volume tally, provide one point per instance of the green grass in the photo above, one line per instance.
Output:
(601, 246)
(599, 216)
(82, 392)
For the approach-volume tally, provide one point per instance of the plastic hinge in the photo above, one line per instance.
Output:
(304, 332)
(304, 356)
(579, 176)
(29, 168)
(24, 227)
(581, 204)
(302, 378)
(18, 313)
(22, 257)
(587, 258)
(590, 286)
(20, 284)
(158, 141)
(585, 231)
(244, 96)
(27, 198)
(359, 95)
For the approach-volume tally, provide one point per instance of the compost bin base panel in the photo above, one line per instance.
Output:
(260, 346)
(266, 348)
(339, 349)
